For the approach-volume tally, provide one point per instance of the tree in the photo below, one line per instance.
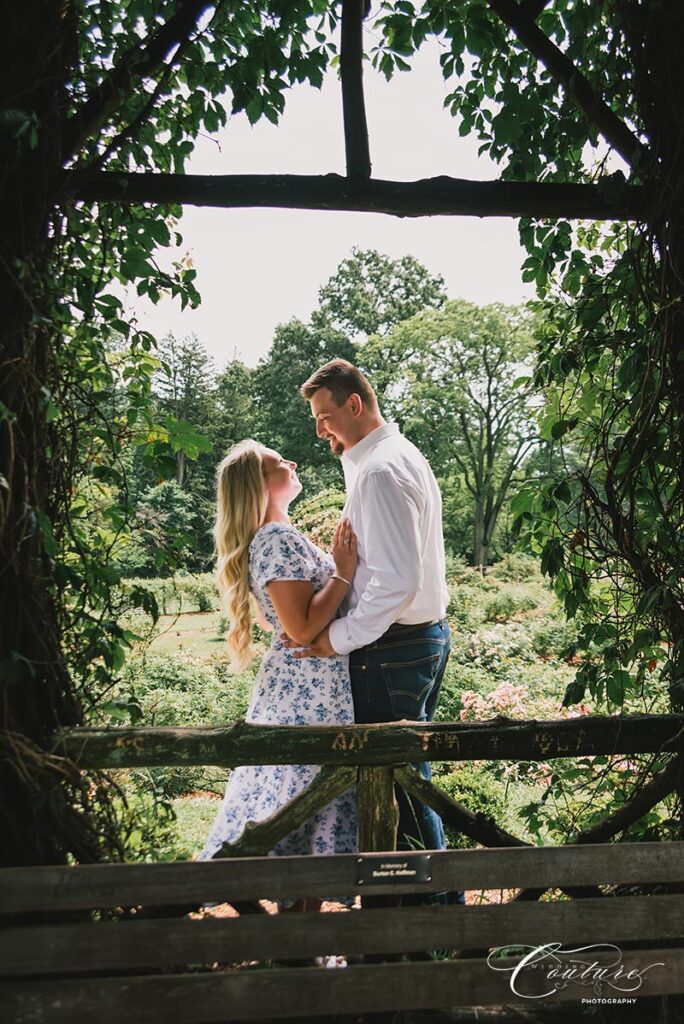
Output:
(168, 533)
(285, 421)
(236, 412)
(369, 293)
(184, 403)
(210, 412)
(184, 389)
(458, 381)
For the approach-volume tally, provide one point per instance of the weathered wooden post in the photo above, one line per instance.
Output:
(377, 809)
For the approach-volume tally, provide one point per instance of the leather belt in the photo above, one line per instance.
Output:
(410, 627)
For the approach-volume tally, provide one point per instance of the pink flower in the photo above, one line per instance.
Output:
(542, 773)
(508, 698)
(473, 706)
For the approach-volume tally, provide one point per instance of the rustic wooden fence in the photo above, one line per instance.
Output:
(374, 757)
(76, 969)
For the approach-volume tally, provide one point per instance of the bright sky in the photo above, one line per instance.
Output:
(257, 268)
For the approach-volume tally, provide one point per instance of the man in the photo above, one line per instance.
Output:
(394, 629)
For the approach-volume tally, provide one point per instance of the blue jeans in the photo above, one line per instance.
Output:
(399, 676)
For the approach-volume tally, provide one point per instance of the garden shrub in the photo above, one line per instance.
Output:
(458, 679)
(457, 569)
(506, 699)
(181, 689)
(475, 787)
(545, 684)
(147, 817)
(504, 606)
(459, 573)
(554, 637)
(516, 567)
(464, 608)
(495, 648)
(319, 515)
(204, 596)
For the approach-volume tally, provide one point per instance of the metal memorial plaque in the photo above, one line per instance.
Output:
(393, 868)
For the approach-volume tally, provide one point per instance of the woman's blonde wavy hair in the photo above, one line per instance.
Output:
(240, 508)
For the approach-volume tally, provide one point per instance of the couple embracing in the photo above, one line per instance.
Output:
(359, 635)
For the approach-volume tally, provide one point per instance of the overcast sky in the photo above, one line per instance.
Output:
(257, 268)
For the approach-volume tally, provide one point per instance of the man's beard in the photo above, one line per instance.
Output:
(337, 448)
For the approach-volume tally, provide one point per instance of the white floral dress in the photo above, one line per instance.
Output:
(289, 691)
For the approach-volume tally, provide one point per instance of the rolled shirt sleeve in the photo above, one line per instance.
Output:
(392, 510)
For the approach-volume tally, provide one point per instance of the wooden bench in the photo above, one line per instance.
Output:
(67, 954)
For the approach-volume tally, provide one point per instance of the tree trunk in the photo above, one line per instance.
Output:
(39, 820)
(180, 472)
(655, 41)
(479, 546)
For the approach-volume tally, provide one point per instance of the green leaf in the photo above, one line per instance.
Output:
(574, 693)
(123, 710)
(562, 492)
(255, 107)
(47, 534)
(521, 502)
(552, 557)
(617, 685)
(649, 599)
(107, 474)
(563, 426)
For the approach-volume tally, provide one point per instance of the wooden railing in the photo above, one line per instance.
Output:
(374, 757)
(158, 962)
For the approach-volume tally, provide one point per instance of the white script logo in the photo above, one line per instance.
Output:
(562, 967)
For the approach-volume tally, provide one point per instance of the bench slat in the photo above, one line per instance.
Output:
(259, 995)
(106, 885)
(123, 945)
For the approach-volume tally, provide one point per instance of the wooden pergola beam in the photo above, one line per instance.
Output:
(353, 103)
(441, 196)
(532, 8)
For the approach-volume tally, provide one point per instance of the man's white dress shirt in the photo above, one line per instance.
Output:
(395, 509)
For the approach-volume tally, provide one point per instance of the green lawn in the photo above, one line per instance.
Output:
(196, 631)
(194, 817)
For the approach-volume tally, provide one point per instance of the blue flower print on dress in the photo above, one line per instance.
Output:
(289, 691)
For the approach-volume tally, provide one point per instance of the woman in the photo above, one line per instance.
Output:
(298, 589)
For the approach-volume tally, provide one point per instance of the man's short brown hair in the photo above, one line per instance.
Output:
(342, 379)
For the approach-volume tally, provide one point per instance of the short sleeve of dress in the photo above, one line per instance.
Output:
(282, 554)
